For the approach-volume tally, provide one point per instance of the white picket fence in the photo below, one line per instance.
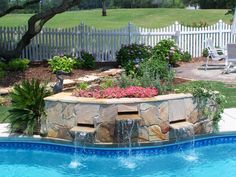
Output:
(104, 44)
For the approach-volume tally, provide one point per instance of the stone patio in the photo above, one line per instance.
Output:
(195, 71)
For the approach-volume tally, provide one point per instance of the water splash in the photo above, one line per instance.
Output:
(74, 164)
(191, 156)
(129, 163)
(78, 137)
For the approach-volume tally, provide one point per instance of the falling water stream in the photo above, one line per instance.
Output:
(78, 140)
(129, 133)
(187, 132)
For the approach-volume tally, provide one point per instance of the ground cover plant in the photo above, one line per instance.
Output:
(228, 90)
(116, 92)
(205, 94)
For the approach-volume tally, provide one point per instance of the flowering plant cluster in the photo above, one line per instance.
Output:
(116, 92)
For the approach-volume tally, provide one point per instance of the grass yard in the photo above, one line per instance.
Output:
(158, 17)
(229, 90)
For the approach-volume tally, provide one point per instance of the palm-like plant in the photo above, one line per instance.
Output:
(27, 106)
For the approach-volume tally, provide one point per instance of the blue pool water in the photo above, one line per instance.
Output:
(214, 157)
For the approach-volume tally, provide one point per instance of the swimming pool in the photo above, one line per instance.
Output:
(212, 156)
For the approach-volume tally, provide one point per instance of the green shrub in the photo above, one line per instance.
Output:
(2, 101)
(199, 24)
(162, 51)
(18, 64)
(27, 107)
(205, 94)
(150, 79)
(86, 61)
(3, 65)
(79, 63)
(186, 57)
(2, 73)
(205, 52)
(127, 80)
(108, 83)
(62, 63)
(89, 60)
(82, 86)
(156, 67)
(130, 55)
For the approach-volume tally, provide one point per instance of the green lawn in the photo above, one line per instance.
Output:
(229, 90)
(119, 17)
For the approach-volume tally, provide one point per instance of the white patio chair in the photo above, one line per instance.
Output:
(216, 54)
(231, 59)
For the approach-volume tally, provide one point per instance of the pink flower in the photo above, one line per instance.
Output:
(116, 92)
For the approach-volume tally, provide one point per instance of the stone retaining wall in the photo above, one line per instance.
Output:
(155, 116)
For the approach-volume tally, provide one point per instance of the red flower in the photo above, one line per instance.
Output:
(116, 92)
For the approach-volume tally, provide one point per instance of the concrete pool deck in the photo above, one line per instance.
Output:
(227, 123)
(196, 71)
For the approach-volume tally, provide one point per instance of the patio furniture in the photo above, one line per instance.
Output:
(231, 59)
(216, 54)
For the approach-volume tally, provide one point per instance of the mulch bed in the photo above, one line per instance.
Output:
(41, 72)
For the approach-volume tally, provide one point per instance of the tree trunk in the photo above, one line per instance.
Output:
(35, 24)
(104, 8)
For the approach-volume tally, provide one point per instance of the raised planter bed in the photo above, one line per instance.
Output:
(126, 119)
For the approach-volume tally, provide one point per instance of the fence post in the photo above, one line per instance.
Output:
(177, 33)
(82, 36)
(220, 33)
(129, 31)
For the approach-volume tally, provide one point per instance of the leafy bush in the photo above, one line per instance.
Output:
(156, 67)
(162, 51)
(18, 64)
(3, 65)
(107, 84)
(2, 101)
(205, 94)
(2, 73)
(128, 80)
(82, 86)
(27, 106)
(130, 55)
(199, 24)
(205, 52)
(116, 92)
(89, 60)
(152, 79)
(62, 63)
(186, 57)
(78, 63)
(86, 61)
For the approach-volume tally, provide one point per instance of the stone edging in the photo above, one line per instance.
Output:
(67, 97)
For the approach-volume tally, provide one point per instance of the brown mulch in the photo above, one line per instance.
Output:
(179, 81)
(41, 72)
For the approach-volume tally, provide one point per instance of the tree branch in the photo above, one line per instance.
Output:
(18, 7)
(35, 25)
